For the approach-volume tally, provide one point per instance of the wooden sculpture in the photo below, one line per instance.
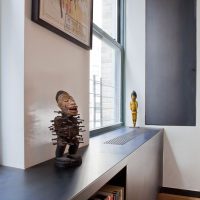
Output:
(134, 107)
(67, 128)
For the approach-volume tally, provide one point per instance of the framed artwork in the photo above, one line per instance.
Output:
(71, 19)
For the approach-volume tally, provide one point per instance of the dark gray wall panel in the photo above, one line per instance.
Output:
(171, 62)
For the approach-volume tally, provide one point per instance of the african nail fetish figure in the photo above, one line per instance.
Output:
(67, 128)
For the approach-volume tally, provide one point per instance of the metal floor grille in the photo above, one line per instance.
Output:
(121, 140)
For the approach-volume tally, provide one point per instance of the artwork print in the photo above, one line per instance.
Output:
(71, 19)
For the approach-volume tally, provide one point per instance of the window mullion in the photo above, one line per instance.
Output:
(103, 35)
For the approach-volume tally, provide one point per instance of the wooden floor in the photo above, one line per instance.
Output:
(163, 196)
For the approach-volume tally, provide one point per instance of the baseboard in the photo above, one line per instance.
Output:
(181, 192)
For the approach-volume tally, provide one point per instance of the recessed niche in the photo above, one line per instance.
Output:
(171, 62)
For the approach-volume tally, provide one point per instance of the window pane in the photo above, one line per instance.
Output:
(105, 82)
(105, 16)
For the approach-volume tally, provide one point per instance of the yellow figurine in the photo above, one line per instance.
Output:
(134, 107)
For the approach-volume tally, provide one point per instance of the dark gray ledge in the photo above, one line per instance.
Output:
(46, 182)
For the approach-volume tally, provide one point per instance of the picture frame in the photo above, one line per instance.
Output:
(71, 19)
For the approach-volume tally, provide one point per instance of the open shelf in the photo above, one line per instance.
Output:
(118, 180)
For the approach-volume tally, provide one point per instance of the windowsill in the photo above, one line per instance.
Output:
(104, 130)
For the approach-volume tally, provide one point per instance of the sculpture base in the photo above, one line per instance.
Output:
(68, 161)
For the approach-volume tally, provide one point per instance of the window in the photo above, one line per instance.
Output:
(106, 16)
(105, 66)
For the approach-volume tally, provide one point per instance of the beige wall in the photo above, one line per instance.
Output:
(182, 144)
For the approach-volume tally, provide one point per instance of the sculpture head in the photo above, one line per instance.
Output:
(66, 103)
(133, 96)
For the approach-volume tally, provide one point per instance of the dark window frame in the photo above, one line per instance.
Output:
(120, 43)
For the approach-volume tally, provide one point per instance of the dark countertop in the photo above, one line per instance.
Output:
(46, 182)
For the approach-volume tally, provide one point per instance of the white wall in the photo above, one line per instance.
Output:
(12, 83)
(181, 144)
(35, 64)
(0, 76)
(51, 63)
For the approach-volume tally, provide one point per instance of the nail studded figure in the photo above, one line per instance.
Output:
(67, 128)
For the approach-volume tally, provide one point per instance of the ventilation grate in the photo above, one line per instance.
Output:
(123, 139)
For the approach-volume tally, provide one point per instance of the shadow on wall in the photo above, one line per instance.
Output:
(38, 136)
(171, 172)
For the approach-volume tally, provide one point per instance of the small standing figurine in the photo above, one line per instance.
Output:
(134, 107)
(67, 128)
